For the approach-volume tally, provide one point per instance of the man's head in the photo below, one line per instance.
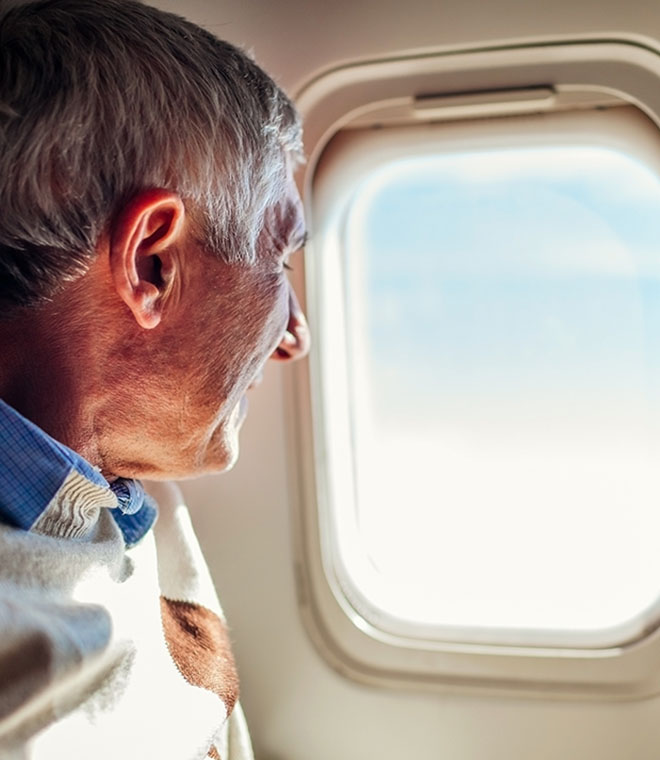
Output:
(148, 210)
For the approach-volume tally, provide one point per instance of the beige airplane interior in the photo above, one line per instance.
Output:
(326, 673)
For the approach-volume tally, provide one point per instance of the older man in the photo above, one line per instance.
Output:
(148, 210)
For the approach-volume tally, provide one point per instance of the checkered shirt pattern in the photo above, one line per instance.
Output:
(33, 467)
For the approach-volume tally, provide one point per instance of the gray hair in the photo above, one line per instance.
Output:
(102, 99)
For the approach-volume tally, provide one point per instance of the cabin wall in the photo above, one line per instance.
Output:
(295, 40)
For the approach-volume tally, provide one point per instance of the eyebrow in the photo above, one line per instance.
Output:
(300, 241)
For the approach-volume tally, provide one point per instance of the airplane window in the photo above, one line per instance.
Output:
(503, 375)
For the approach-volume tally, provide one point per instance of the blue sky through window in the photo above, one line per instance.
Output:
(505, 350)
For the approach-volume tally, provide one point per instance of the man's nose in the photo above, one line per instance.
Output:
(295, 342)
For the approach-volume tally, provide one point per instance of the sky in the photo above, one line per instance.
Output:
(505, 355)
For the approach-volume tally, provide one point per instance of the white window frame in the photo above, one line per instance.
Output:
(497, 82)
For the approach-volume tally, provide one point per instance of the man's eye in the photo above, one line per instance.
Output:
(288, 267)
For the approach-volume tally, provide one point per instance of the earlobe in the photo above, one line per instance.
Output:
(143, 253)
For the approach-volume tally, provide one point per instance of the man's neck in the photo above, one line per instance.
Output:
(42, 377)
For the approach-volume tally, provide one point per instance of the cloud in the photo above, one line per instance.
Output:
(547, 213)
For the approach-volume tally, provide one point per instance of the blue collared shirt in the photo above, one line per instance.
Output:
(34, 466)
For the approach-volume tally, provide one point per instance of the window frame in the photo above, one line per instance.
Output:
(498, 82)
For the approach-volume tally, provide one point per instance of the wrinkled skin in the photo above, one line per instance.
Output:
(149, 355)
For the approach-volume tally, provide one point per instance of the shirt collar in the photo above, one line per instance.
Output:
(34, 466)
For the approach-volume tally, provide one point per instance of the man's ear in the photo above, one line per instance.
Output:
(143, 253)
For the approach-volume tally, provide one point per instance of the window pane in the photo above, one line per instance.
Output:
(504, 353)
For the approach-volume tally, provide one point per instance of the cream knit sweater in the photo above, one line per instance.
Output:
(109, 652)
